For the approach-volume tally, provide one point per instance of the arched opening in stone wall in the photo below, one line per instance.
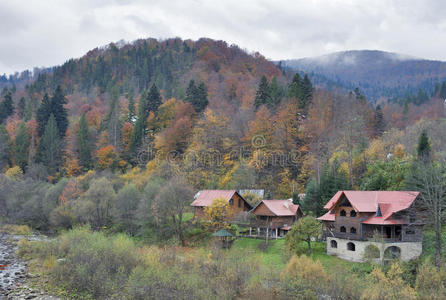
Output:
(392, 252)
(353, 214)
(351, 246)
(371, 252)
(333, 244)
(353, 230)
(343, 229)
(343, 213)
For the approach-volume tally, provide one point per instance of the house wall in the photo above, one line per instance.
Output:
(409, 250)
(348, 222)
(235, 206)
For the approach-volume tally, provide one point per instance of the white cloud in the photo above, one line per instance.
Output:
(46, 33)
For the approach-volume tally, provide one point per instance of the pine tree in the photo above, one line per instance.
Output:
(202, 98)
(5, 148)
(43, 113)
(59, 111)
(424, 146)
(6, 107)
(139, 130)
(197, 95)
(84, 143)
(21, 106)
(276, 92)
(21, 145)
(307, 93)
(131, 108)
(49, 151)
(379, 124)
(112, 119)
(263, 94)
(295, 87)
(153, 99)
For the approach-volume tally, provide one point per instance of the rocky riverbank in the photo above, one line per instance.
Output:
(14, 274)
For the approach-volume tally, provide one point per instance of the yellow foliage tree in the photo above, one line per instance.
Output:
(218, 214)
(14, 173)
(303, 278)
(388, 286)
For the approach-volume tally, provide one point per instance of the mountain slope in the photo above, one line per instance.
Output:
(170, 64)
(375, 73)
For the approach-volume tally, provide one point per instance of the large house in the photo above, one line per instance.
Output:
(205, 198)
(274, 217)
(389, 220)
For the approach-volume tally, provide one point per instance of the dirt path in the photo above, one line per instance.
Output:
(14, 273)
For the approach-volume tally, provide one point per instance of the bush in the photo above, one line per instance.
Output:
(17, 229)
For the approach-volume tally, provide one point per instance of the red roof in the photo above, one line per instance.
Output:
(206, 197)
(329, 216)
(389, 203)
(281, 208)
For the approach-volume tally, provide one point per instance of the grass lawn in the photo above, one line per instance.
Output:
(276, 255)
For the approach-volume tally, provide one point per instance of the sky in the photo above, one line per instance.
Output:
(43, 33)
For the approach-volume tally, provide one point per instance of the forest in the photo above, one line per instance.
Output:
(108, 151)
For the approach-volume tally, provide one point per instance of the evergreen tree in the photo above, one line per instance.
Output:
(153, 99)
(43, 114)
(6, 107)
(276, 92)
(21, 106)
(131, 107)
(197, 95)
(5, 148)
(424, 146)
(59, 111)
(21, 146)
(317, 195)
(111, 121)
(202, 99)
(139, 129)
(263, 94)
(295, 87)
(84, 143)
(379, 124)
(49, 151)
(307, 93)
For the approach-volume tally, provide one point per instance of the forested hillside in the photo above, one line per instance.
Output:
(208, 113)
(376, 73)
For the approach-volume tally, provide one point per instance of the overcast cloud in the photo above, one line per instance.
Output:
(48, 32)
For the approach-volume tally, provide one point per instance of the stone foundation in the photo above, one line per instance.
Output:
(408, 250)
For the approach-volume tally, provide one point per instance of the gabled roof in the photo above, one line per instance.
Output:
(206, 197)
(280, 208)
(386, 202)
(329, 216)
(222, 233)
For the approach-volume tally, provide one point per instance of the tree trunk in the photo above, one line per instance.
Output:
(309, 246)
(438, 245)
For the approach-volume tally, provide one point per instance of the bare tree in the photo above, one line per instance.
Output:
(171, 203)
(429, 178)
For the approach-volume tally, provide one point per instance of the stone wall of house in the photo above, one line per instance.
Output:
(408, 250)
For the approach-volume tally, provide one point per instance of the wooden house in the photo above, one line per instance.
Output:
(274, 217)
(389, 220)
(205, 198)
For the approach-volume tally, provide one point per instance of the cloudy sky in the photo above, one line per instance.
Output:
(48, 32)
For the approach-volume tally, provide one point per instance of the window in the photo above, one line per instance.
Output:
(231, 202)
(342, 229)
(343, 213)
(353, 230)
(263, 217)
(334, 244)
(410, 231)
(353, 214)
(239, 203)
(351, 246)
